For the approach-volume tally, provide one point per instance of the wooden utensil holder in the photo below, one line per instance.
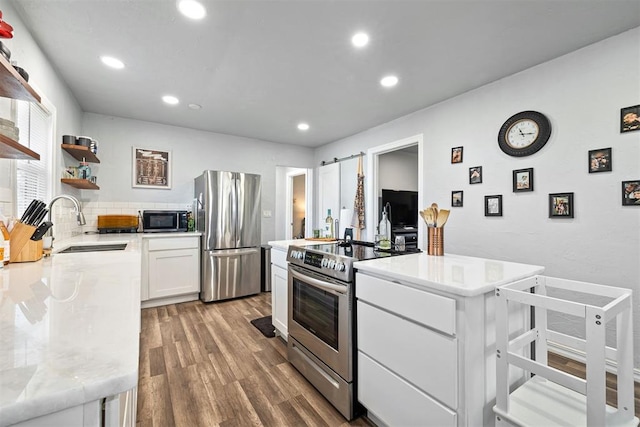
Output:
(23, 249)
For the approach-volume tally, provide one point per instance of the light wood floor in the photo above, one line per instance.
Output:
(206, 365)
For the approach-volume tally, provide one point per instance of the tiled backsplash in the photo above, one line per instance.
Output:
(64, 218)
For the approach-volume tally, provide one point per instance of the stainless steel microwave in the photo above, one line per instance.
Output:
(164, 221)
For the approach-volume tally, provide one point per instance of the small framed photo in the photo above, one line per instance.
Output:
(630, 119)
(631, 193)
(522, 180)
(456, 155)
(600, 160)
(151, 169)
(475, 175)
(493, 205)
(561, 205)
(456, 199)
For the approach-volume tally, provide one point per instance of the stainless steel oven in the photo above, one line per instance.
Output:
(320, 343)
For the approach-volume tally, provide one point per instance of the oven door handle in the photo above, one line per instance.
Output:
(318, 283)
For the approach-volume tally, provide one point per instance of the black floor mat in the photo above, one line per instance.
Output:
(265, 326)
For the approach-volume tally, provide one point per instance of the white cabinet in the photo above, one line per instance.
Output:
(432, 351)
(279, 291)
(170, 270)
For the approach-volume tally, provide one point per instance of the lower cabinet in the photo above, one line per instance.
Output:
(279, 292)
(425, 358)
(171, 270)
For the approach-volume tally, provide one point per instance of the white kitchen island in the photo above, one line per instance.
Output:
(69, 335)
(426, 337)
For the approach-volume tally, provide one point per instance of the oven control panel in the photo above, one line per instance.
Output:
(317, 260)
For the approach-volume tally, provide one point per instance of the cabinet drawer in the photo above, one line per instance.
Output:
(174, 243)
(396, 402)
(432, 310)
(279, 258)
(426, 358)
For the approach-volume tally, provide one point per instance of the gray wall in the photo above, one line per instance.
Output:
(193, 151)
(582, 94)
(398, 171)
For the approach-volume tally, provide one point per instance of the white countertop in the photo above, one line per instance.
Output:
(69, 328)
(455, 274)
(283, 245)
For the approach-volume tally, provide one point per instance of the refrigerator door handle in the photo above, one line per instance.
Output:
(234, 252)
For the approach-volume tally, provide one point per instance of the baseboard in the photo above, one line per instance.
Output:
(580, 356)
(169, 300)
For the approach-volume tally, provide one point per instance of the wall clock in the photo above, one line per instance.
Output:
(524, 133)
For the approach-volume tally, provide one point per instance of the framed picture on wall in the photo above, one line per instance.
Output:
(493, 205)
(456, 154)
(631, 193)
(561, 205)
(630, 119)
(600, 160)
(151, 169)
(457, 199)
(475, 175)
(522, 180)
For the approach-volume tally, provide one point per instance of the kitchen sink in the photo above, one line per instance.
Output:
(94, 248)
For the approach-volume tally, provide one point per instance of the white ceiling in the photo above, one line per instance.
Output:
(260, 67)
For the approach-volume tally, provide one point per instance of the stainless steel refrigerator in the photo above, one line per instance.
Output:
(227, 212)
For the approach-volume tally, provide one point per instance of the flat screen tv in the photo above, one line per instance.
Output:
(404, 207)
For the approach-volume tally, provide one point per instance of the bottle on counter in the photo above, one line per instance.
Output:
(328, 225)
(191, 223)
(385, 230)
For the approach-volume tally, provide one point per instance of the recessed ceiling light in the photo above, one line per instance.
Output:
(192, 9)
(360, 39)
(171, 100)
(389, 81)
(195, 106)
(303, 126)
(112, 62)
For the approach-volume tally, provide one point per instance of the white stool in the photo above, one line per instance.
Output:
(552, 397)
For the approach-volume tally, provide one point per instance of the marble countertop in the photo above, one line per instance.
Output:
(69, 328)
(454, 274)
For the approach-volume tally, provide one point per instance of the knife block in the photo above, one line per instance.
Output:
(23, 249)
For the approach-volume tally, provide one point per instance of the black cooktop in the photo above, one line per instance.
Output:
(358, 252)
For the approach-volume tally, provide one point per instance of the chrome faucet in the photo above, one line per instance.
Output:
(79, 215)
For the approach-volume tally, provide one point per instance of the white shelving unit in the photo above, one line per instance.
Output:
(552, 397)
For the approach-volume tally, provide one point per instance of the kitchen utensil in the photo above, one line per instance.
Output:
(434, 206)
(430, 217)
(84, 141)
(443, 215)
(41, 230)
(4, 50)
(69, 139)
(27, 212)
(37, 213)
(22, 72)
(40, 216)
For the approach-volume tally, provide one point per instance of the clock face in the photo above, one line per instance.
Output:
(524, 133)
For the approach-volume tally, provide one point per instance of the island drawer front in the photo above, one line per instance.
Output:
(171, 243)
(395, 401)
(432, 310)
(426, 358)
(279, 258)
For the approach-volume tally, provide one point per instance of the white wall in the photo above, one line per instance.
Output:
(193, 151)
(44, 78)
(582, 94)
(398, 170)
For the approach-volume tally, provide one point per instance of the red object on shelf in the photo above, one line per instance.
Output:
(6, 30)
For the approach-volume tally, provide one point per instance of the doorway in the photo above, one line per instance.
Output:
(373, 183)
(297, 219)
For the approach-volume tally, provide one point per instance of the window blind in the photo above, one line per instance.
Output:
(36, 132)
